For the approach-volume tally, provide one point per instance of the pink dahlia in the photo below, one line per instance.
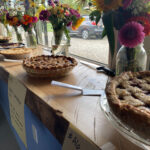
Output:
(131, 34)
(126, 3)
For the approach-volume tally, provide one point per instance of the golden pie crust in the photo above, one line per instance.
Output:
(49, 66)
(129, 98)
(17, 53)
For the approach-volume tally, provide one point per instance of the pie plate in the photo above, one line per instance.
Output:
(11, 45)
(122, 128)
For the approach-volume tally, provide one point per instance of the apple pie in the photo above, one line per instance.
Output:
(129, 98)
(49, 66)
(17, 53)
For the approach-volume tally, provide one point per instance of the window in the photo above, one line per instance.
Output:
(86, 41)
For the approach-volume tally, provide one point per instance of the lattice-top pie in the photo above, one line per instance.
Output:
(17, 53)
(129, 98)
(49, 66)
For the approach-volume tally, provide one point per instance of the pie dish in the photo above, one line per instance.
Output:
(49, 66)
(11, 45)
(128, 96)
(17, 53)
(4, 39)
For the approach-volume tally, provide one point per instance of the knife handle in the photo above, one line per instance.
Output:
(56, 83)
(107, 71)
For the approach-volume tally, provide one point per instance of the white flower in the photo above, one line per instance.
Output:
(20, 8)
(1, 8)
(12, 12)
(139, 6)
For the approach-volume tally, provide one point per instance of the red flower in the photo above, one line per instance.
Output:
(27, 19)
(145, 21)
(147, 29)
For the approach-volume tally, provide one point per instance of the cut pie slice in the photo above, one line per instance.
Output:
(49, 66)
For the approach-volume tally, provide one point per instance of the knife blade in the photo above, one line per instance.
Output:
(91, 65)
(104, 69)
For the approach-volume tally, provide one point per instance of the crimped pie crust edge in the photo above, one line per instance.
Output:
(52, 72)
(132, 116)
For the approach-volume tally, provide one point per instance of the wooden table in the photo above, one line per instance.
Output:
(57, 107)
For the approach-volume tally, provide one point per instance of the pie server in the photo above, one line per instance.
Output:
(85, 92)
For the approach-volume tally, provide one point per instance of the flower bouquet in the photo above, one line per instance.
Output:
(28, 22)
(60, 16)
(13, 18)
(130, 18)
(3, 19)
(24, 18)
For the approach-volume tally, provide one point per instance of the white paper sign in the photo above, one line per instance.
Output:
(16, 95)
(75, 140)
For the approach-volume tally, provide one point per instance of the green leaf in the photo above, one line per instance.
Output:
(95, 16)
(104, 33)
(108, 23)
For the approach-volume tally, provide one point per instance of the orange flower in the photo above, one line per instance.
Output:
(61, 10)
(78, 23)
(74, 28)
(14, 21)
(26, 19)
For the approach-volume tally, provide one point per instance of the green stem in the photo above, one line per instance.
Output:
(8, 32)
(32, 39)
(131, 55)
(19, 37)
(58, 36)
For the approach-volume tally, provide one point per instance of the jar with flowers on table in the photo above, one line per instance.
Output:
(19, 17)
(13, 18)
(5, 31)
(28, 22)
(60, 16)
(131, 20)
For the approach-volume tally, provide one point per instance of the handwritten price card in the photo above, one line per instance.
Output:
(75, 140)
(16, 94)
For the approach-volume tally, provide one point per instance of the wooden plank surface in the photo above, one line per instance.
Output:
(56, 107)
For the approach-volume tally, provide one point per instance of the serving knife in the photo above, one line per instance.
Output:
(104, 69)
